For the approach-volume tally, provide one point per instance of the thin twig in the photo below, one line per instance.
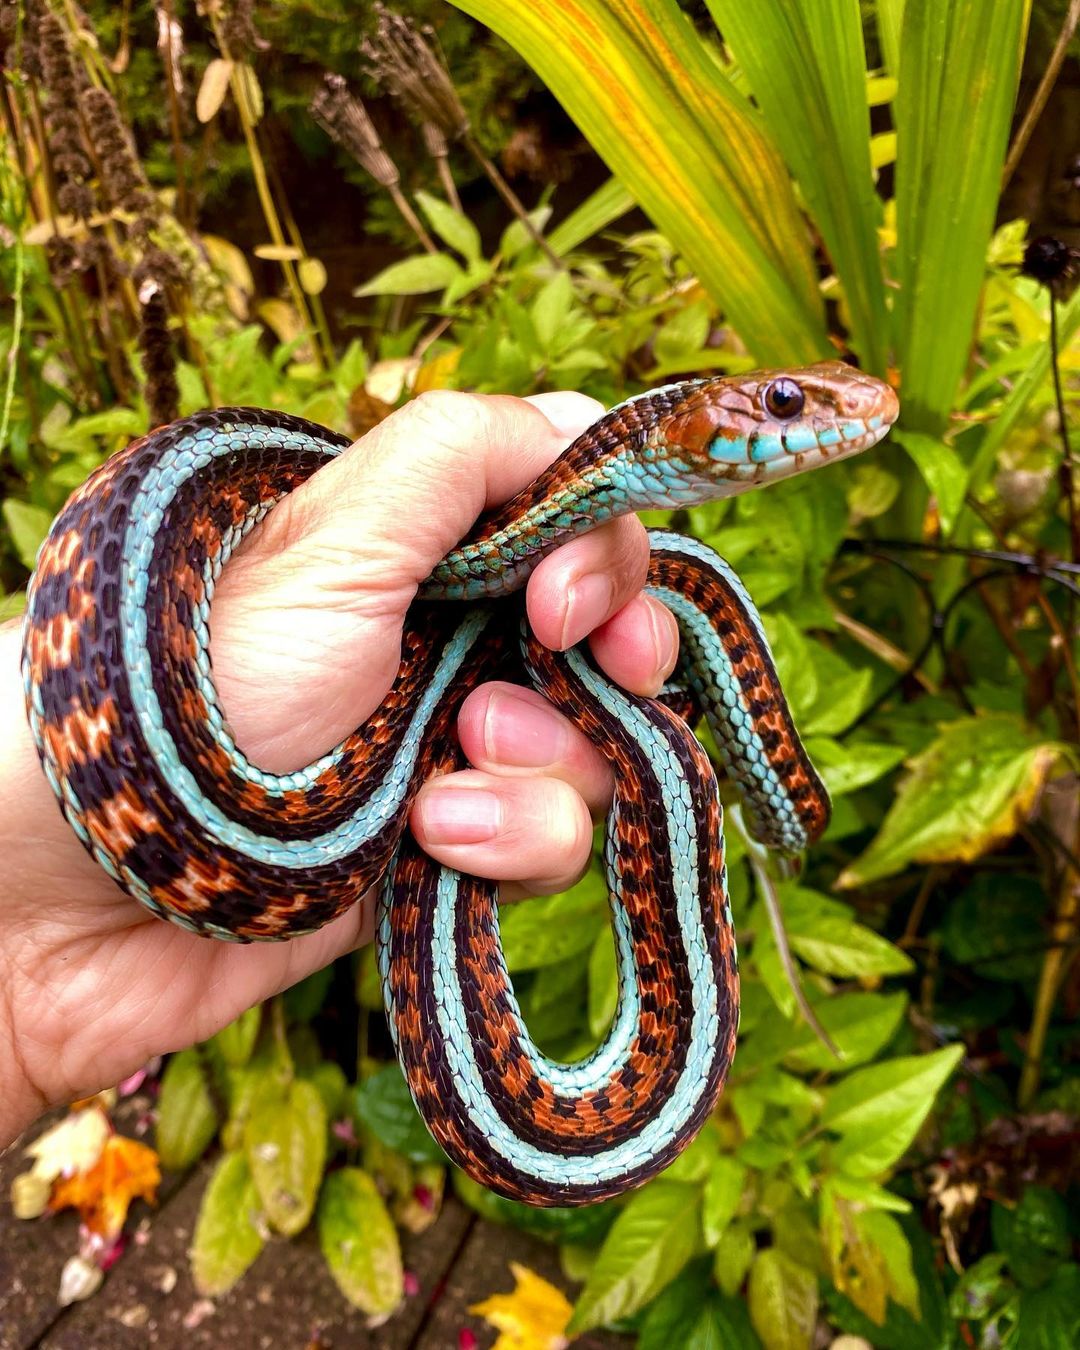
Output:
(767, 887)
(1042, 93)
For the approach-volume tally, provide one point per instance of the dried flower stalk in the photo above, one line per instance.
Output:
(345, 120)
(400, 57)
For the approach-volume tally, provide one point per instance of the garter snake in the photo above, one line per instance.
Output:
(125, 717)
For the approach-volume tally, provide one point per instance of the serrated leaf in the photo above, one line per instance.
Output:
(187, 1120)
(413, 276)
(965, 794)
(236, 1041)
(360, 1243)
(783, 1299)
(385, 1105)
(227, 1237)
(878, 1111)
(28, 525)
(285, 1144)
(212, 89)
(453, 227)
(723, 1191)
(649, 1243)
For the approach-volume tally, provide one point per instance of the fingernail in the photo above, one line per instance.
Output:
(665, 641)
(588, 601)
(523, 734)
(460, 815)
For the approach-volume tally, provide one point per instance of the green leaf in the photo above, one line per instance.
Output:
(1033, 1234)
(878, 1111)
(655, 103)
(599, 210)
(451, 226)
(285, 1142)
(943, 471)
(806, 66)
(959, 67)
(649, 1243)
(860, 1024)
(305, 999)
(360, 1242)
(227, 1236)
(581, 1224)
(825, 935)
(846, 767)
(723, 1191)
(332, 1086)
(1009, 948)
(733, 1255)
(551, 309)
(28, 525)
(689, 1315)
(413, 276)
(603, 983)
(187, 1120)
(546, 931)
(1049, 1318)
(965, 794)
(385, 1105)
(783, 1299)
(236, 1041)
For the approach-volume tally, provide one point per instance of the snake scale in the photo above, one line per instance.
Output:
(124, 714)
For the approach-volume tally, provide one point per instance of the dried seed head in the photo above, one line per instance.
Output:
(158, 356)
(1053, 262)
(122, 177)
(406, 60)
(239, 32)
(344, 119)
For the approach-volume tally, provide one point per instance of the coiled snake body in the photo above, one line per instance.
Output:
(125, 717)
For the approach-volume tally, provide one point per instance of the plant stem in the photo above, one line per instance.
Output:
(1063, 937)
(1042, 93)
(266, 200)
(512, 200)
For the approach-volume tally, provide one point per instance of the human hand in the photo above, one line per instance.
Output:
(306, 632)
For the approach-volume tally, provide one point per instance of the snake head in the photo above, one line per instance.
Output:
(734, 432)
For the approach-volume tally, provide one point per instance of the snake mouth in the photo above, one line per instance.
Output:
(835, 446)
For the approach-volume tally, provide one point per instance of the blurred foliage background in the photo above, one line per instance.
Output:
(221, 203)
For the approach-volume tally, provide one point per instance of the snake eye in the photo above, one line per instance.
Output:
(784, 399)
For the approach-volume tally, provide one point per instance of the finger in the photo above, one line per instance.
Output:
(374, 521)
(513, 732)
(639, 646)
(536, 832)
(587, 581)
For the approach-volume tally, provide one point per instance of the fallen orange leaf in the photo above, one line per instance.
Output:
(125, 1170)
(533, 1317)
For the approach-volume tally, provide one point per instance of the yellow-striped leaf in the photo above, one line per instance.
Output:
(807, 68)
(655, 103)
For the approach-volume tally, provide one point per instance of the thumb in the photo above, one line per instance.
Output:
(308, 614)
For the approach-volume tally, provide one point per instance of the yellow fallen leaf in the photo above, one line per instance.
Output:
(533, 1317)
(72, 1145)
(125, 1170)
